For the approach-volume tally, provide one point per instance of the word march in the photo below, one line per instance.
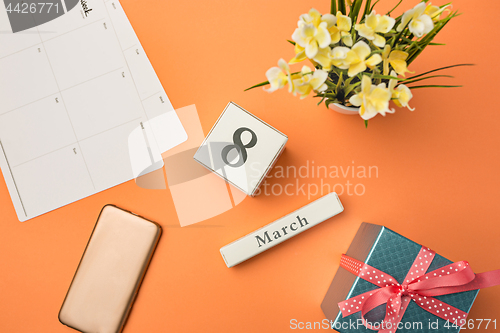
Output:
(294, 226)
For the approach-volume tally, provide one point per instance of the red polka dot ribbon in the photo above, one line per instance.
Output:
(418, 286)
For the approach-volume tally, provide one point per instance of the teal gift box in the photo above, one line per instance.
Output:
(393, 254)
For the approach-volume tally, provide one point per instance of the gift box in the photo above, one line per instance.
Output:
(377, 255)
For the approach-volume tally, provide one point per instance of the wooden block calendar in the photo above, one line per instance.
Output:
(81, 110)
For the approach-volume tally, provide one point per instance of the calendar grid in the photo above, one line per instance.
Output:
(76, 119)
(125, 59)
(70, 31)
(13, 179)
(67, 113)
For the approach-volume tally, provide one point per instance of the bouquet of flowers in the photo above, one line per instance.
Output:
(361, 65)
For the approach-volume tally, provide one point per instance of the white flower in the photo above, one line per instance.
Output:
(435, 12)
(400, 94)
(375, 23)
(278, 77)
(396, 58)
(417, 20)
(312, 32)
(372, 99)
(314, 17)
(341, 29)
(339, 57)
(324, 58)
(310, 82)
(355, 58)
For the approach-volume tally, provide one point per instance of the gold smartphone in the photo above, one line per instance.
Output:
(110, 272)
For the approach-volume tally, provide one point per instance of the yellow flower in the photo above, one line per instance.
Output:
(435, 12)
(417, 20)
(339, 57)
(372, 99)
(339, 26)
(397, 59)
(311, 38)
(278, 77)
(312, 32)
(300, 54)
(375, 23)
(314, 17)
(401, 95)
(342, 29)
(324, 58)
(308, 82)
(355, 58)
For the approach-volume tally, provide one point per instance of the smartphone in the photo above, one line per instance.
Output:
(110, 272)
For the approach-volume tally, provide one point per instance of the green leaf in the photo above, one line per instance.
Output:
(339, 82)
(426, 78)
(342, 7)
(409, 41)
(333, 8)
(321, 100)
(434, 86)
(355, 8)
(330, 95)
(387, 77)
(291, 42)
(330, 84)
(366, 123)
(258, 85)
(348, 81)
(389, 12)
(396, 39)
(367, 9)
(330, 101)
(267, 82)
(351, 87)
(439, 69)
(376, 2)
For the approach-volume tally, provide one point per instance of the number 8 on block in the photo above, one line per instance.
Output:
(241, 148)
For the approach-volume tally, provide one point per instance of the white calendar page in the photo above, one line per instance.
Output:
(81, 108)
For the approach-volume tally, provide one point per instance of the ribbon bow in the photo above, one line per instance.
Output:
(418, 286)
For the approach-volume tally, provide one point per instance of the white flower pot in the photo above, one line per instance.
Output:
(349, 110)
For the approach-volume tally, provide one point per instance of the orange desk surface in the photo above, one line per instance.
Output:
(438, 177)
